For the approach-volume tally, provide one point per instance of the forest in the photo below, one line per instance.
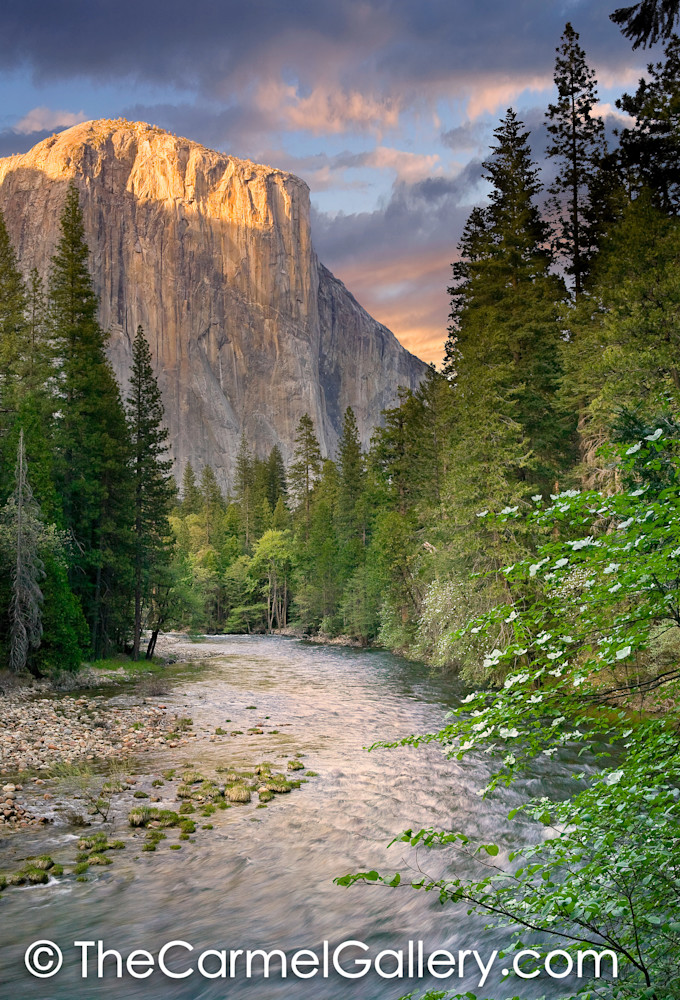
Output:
(515, 520)
(562, 343)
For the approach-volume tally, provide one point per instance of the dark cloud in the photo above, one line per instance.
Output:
(427, 214)
(220, 48)
(468, 137)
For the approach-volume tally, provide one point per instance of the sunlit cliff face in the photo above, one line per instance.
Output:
(213, 256)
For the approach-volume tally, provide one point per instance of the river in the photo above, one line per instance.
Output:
(263, 878)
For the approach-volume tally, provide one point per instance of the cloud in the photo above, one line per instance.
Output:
(409, 167)
(415, 218)
(36, 125)
(490, 95)
(408, 294)
(318, 67)
(44, 119)
(396, 259)
(612, 115)
(325, 111)
(468, 137)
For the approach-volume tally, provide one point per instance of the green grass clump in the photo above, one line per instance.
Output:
(237, 793)
(278, 783)
(142, 815)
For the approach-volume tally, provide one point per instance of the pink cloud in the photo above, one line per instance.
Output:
(501, 91)
(408, 294)
(327, 110)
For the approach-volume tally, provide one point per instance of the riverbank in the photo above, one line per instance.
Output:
(90, 754)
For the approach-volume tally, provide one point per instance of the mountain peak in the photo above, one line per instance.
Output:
(213, 256)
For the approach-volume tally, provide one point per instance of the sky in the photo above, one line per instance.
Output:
(386, 108)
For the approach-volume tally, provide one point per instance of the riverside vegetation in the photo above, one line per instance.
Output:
(515, 518)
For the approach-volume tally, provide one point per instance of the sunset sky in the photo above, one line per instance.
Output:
(384, 107)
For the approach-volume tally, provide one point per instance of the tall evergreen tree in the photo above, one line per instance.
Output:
(13, 324)
(474, 246)
(153, 485)
(192, 500)
(650, 148)
(624, 341)
(212, 502)
(577, 143)
(504, 336)
(13, 351)
(244, 491)
(306, 468)
(276, 477)
(350, 510)
(92, 454)
(24, 526)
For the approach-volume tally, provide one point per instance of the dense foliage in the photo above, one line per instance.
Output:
(562, 603)
(516, 518)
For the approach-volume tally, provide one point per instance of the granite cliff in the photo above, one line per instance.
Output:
(213, 256)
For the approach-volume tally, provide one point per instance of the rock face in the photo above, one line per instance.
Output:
(213, 256)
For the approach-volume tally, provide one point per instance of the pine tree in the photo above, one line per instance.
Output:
(646, 22)
(192, 500)
(395, 452)
(153, 486)
(350, 511)
(650, 148)
(244, 483)
(505, 335)
(318, 595)
(577, 142)
(434, 413)
(212, 503)
(13, 348)
(13, 325)
(474, 247)
(276, 477)
(25, 530)
(210, 491)
(92, 446)
(306, 467)
(26, 379)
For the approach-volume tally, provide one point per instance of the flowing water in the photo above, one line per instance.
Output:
(263, 878)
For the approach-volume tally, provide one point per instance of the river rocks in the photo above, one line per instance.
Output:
(12, 814)
(44, 733)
